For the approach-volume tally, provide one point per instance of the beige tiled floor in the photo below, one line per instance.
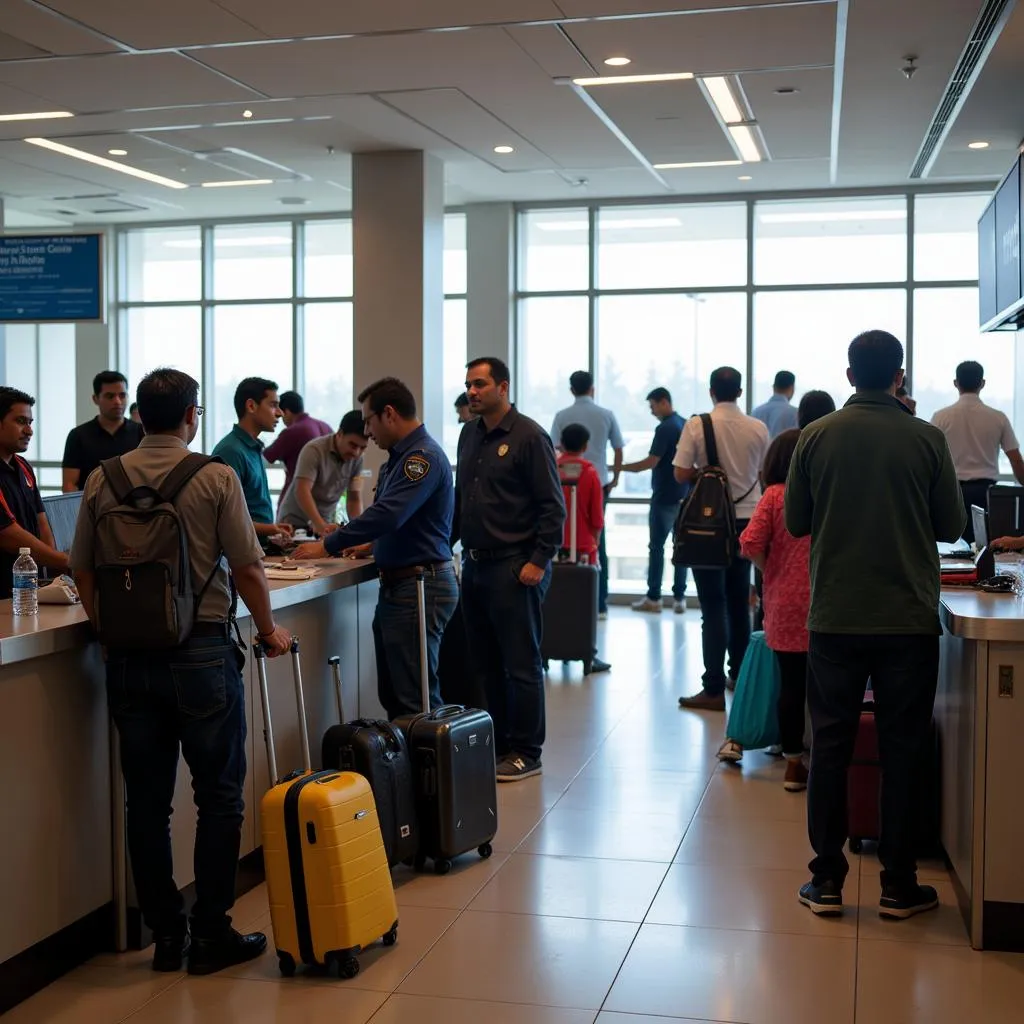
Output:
(637, 882)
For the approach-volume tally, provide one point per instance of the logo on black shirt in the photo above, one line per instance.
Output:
(416, 468)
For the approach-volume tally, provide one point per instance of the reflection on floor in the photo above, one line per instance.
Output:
(636, 881)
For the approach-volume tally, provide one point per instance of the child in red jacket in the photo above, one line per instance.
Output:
(589, 499)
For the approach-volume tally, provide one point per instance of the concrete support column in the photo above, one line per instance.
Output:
(490, 245)
(398, 251)
(3, 336)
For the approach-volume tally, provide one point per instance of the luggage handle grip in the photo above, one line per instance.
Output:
(446, 711)
(260, 652)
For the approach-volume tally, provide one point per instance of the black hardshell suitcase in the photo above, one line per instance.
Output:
(452, 751)
(570, 607)
(376, 750)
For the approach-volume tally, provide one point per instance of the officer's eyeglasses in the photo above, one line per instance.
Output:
(200, 409)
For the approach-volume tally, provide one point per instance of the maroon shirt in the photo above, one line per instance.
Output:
(293, 439)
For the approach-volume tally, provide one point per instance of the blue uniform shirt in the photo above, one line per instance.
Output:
(410, 520)
(777, 414)
(244, 454)
(664, 488)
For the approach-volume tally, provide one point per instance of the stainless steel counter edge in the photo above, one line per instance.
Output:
(975, 615)
(64, 627)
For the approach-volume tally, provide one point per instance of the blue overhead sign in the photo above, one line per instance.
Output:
(51, 278)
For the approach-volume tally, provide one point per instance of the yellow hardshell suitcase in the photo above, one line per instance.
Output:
(328, 879)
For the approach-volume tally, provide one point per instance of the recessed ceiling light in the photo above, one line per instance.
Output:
(45, 116)
(618, 62)
(504, 149)
(238, 184)
(977, 145)
(745, 142)
(697, 163)
(786, 90)
(118, 152)
(246, 114)
(633, 79)
(745, 177)
(721, 94)
(102, 161)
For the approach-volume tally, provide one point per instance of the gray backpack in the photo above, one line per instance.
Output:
(145, 597)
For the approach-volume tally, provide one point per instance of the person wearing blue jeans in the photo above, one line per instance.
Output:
(408, 531)
(509, 515)
(396, 638)
(666, 494)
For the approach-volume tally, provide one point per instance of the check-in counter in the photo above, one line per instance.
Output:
(61, 859)
(980, 711)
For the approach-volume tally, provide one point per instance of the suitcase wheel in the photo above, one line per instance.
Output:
(442, 866)
(337, 967)
(856, 845)
(419, 862)
(391, 937)
(287, 964)
(485, 850)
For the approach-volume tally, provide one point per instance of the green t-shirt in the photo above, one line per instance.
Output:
(244, 454)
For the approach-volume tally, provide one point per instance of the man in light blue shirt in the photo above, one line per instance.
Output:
(604, 430)
(778, 413)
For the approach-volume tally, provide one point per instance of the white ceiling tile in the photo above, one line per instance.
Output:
(17, 49)
(152, 24)
(605, 8)
(52, 34)
(552, 50)
(798, 126)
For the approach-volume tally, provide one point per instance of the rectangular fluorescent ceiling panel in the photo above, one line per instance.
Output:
(102, 161)
(698, 163)
(625, 224)
(746, 144)
(831, 216)
(238, 184)
(681, 76)
(724, 100)
(46, 116)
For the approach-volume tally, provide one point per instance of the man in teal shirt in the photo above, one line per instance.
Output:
(875, 489)
(258, 411)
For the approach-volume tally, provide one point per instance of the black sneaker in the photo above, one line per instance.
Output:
(514, 767)
(901, 902)
(597, 665)
(170, 950)
(826, 898)
(211, 955)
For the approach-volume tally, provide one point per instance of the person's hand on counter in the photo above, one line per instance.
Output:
(315, 549)
(359, 551)
(1007, 544)
(277, 642)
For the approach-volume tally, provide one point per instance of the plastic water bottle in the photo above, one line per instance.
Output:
(26, 584)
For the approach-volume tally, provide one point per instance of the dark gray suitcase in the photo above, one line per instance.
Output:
(570, 607)
(452, 751)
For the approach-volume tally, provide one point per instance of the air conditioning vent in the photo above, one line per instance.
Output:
(983, 36)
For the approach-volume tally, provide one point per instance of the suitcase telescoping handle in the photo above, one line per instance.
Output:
(570, 477)
(335, 662)
(421, 616)
(300, 702)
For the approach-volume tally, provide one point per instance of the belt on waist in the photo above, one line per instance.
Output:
(211, 629)
(407, 572)
(497, 554)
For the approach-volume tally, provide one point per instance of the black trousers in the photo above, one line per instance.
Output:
(904, 674)
(975, 492)
(792, 698)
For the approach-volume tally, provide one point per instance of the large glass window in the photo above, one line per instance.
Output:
(327, 262)
(163, 265)
(252, 261)
(946, 237)
(163, 336)
(327, 353)
(554, 250)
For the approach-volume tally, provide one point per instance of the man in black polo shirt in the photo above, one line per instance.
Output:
(22, 520)
(509, 514)
(105, 436)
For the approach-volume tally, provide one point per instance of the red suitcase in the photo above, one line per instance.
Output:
(864, 783)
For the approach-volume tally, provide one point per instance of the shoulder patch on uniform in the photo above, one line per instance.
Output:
(416, 467)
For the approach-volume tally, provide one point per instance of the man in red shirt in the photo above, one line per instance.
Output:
(589, 498)
(299, 429)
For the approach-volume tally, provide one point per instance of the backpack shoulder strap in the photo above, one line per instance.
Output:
(181, 474)
(113, 470)
(709, 439)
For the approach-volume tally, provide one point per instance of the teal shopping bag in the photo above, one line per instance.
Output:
(754, 719)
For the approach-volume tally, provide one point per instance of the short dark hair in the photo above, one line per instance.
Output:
(291, 401)
(351, 423)
(581, 382)
(9, 397)
(164, 396)
(499, 369)
(660, 395)
(107, 377)
(132, 407)
(813, 406)
(726, 383)
(969, 375)
(784, 380)
(575, 438)
(778, 457)
(462, 401)
(875, 358)
(255, 388)
(389, 391)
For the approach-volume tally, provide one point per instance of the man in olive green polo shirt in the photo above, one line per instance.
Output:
(258, 411)
(875, 489)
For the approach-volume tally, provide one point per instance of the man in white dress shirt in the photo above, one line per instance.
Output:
(975, 432)
(724, 594)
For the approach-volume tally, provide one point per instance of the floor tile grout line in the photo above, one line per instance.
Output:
(152, 999)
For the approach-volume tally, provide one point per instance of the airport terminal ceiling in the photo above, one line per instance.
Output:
(252, 107)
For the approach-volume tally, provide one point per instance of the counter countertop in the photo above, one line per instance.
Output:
(60, 627)
(975, 615)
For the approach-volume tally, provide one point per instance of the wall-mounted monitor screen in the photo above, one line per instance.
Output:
(51, 278)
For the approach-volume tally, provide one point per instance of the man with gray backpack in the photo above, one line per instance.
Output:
(155, 528)
(721, 455)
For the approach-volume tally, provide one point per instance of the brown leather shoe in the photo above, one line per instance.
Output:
(703, 701)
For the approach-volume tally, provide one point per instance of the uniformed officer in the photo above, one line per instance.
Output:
(408, 528)
(509, 516)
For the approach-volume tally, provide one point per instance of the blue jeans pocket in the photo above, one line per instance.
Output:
(201, 687)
